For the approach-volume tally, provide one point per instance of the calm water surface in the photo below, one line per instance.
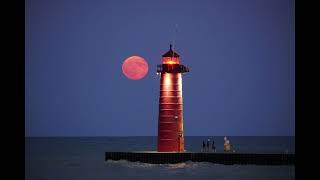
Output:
(68, 158)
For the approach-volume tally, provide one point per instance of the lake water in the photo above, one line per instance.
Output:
(77, 158)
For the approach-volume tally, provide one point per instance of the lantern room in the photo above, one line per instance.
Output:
(170, 57)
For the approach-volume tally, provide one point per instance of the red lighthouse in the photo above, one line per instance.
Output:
(170, 123)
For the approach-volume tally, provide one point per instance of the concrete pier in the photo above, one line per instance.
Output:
(218, 158)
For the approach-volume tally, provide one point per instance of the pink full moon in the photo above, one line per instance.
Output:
(135, 67)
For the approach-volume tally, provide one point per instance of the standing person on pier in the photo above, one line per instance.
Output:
(213, 146)
(226, 145)
(208, 145)
(203, 146)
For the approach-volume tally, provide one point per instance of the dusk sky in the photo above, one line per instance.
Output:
(241, 56)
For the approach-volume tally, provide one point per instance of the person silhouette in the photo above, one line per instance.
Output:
(203, 146)
(208, 145)
(213, 147)
(227, 145)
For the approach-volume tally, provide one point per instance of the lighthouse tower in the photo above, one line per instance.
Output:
(170, 122)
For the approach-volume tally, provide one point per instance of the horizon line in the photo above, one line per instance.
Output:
(156, 136)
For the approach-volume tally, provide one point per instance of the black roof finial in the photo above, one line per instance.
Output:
(170, 53)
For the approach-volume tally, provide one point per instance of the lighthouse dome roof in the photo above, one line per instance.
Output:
(171, 53)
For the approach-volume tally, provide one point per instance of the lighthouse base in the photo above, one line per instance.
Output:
(154, 157)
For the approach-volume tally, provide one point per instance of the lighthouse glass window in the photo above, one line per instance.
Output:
(170, 60)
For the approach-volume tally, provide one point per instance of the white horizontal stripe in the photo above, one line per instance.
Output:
(176, 84)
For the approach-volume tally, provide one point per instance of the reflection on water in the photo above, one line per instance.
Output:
(183, 165)
(179, 166)
(128, 164)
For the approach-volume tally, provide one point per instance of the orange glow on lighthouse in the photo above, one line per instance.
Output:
(170, 60)
(170, 121)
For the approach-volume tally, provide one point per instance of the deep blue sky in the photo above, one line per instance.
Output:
(240, 54)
